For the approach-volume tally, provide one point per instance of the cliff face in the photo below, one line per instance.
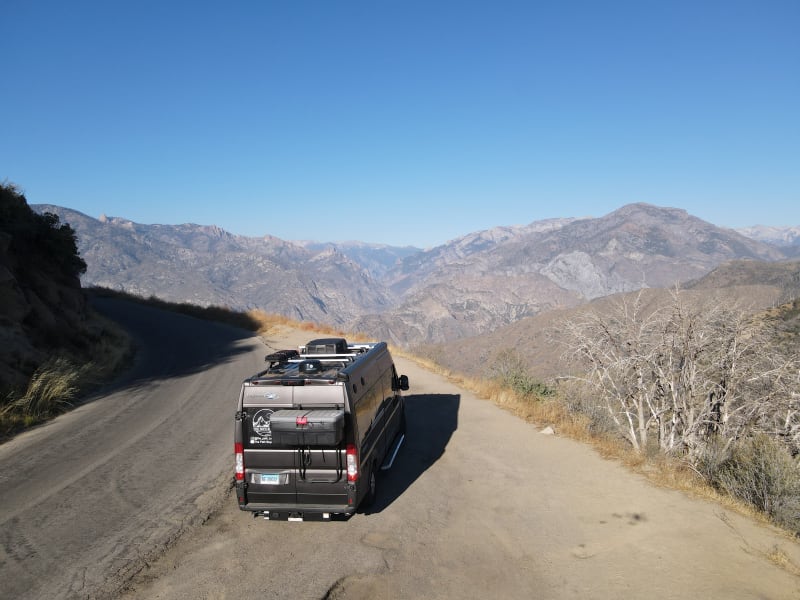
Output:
(42, 307)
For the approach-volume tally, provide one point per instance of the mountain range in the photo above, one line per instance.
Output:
(471, 285)
(753, 286)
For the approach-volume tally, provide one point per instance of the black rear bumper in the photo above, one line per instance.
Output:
(293, 512)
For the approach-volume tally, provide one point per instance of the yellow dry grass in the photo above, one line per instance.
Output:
(59, 382)
(779, 557)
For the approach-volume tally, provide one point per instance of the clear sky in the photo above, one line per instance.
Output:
(402, 122)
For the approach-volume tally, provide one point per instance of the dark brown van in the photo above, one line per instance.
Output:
(314, 428)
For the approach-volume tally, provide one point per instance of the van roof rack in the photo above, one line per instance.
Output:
(321, 359)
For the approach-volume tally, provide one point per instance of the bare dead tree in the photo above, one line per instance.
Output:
(613, 348)
(686, 372)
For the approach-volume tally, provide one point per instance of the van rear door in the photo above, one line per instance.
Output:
(269, 468)
(293, 440)
(317, 435)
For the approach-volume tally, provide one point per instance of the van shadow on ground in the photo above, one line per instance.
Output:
(431, 420)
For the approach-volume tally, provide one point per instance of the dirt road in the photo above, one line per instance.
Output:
(479, 504)
(88, 498)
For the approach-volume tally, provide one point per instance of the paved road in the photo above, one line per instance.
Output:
(87, 499)
(479, 504)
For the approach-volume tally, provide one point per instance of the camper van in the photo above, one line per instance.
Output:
(313, 430)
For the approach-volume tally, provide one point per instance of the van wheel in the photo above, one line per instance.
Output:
(372, 491)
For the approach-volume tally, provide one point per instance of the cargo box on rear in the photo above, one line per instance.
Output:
(307, 427)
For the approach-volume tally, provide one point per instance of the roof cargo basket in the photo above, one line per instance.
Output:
(327, 346)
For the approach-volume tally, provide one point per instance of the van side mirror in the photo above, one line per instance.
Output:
(402, 382)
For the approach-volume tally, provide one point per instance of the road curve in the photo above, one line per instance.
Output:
(479, 504)
(87, 499)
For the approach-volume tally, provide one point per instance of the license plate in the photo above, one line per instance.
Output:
(270, 479)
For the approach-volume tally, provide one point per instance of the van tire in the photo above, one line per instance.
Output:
(372, 490)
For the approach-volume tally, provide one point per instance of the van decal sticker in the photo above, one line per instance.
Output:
(261, 427)
(271, 396)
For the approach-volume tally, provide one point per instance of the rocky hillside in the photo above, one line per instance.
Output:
(786, 238)
(378, 259)
(783, 277)
(42, 307)
(753, 285)
(487, 280)
(206, 265)
(468, 286)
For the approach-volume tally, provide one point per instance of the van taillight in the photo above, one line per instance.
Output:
(352, 463)
(238, 450)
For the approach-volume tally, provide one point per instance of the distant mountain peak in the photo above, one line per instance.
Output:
(780, 236)
(644, 209)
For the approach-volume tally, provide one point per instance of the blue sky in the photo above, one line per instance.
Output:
(406, 123)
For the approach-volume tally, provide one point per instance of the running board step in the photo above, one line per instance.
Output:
(387, 464)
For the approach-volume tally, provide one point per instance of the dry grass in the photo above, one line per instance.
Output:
(268, 322)
(779, 558)
(218, 314)
(53, 386)
(60, 382)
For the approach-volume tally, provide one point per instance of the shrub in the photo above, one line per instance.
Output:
(46, 245)
(707, 459)
(760, 471)
(510, 371)
(581, 401)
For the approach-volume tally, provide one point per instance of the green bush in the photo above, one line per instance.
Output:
(46, 245)
(761, 472)
(527, 386)
(510, 371)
